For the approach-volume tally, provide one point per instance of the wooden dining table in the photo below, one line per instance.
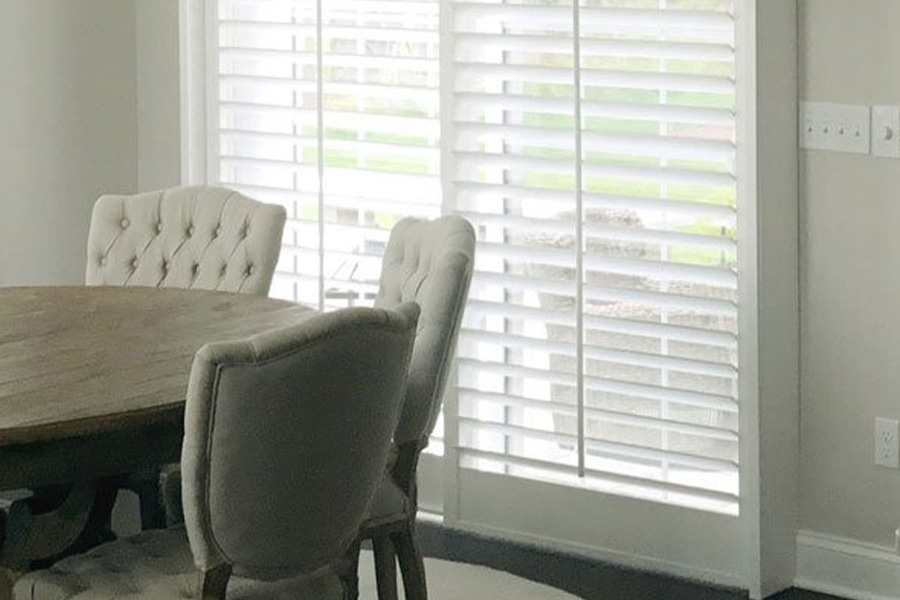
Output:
(92, 385)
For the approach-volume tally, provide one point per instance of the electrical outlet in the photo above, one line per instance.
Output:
(887, 432)
(836, 127)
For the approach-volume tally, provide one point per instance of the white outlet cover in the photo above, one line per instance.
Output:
(835, 127)
(886, 131)
(887, 443)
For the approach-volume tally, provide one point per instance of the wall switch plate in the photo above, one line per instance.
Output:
(886, 131)
(887, 438)
(836, 127)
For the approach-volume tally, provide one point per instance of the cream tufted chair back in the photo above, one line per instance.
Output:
(430, 263)
(285, 438)
(190, 237)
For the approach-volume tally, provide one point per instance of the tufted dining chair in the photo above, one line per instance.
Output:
(430, 263)
(286, 437)
(200, 237)
(187, 237)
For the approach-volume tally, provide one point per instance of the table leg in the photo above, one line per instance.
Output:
(146, 484)
(97, 530)
(39, 528)
(44, 526)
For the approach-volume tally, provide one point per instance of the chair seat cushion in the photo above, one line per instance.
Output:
(154, 565)
(388, 504)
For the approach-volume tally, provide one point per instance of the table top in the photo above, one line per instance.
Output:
(76, 361)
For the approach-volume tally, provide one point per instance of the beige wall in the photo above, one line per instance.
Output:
(158, 85)
(850, 281)
(67, 129)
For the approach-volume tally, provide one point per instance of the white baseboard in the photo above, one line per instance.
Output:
(847, 568)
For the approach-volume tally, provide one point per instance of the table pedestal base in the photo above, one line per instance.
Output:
(51, 524)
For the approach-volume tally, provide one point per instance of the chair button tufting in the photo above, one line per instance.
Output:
(190, 230)
(159, 227)
(102, 261)
(217, 232)
(223, 270)
(134, 263)
(125, 223)
(165, 266)
(250, 269)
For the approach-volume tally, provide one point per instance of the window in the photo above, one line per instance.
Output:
(593, 146)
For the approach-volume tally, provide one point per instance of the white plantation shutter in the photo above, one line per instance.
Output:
(592, 145)
(331, 109)
(595, 152)
(264, 114)
(515, 173)
(381, 133)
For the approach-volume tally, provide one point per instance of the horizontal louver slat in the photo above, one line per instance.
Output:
(616, 479)
(655, 361)
(618, 450)
(624, 326)
(625, 388)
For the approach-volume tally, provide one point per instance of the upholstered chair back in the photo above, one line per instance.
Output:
(190, 237)
(286, 437)
(430, 263)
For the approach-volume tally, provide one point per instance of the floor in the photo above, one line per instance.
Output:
(576, 575)
(460, 581)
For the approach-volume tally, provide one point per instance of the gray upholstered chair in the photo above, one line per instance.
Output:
(200, 237)
(286, 437)
(429, 262)
(189, 237)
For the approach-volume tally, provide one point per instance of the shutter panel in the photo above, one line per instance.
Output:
(330, 109)
(515, 158)
(381, 134)
(265, 126)
(600, 345)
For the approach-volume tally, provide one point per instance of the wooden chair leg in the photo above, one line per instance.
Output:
(347, 570)
(8, 578)
(214, 583)
(412, 564)
(385, 567)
